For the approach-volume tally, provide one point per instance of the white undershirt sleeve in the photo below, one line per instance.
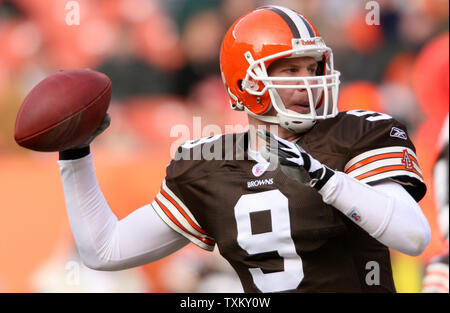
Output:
(104, 243)
(386, 211)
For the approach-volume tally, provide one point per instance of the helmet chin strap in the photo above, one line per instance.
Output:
(293, 124)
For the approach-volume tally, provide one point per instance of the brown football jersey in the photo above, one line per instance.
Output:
(276, 232)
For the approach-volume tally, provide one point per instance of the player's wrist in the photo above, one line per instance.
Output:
(320, 177)
(73, 154)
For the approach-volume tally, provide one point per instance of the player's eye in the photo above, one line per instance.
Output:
(291, 69)
(312, 70)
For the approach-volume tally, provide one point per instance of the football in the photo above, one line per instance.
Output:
(63, 110)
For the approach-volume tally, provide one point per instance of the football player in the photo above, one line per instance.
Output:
(436, 273)
(313, 206)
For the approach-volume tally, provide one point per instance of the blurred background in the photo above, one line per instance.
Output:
(163, 59)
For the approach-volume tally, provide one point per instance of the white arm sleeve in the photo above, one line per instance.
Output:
(104, 243)
(386, 211)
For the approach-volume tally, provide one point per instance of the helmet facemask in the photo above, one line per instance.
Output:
(322, 102)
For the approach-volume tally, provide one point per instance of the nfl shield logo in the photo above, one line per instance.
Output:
(259, 169)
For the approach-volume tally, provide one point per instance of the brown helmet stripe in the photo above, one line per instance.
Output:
(294, 29)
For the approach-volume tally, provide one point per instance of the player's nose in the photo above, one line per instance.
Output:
(303, 83)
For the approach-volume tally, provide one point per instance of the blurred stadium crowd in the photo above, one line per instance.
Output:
(163, 59)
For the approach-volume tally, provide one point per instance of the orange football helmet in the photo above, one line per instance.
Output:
(257, 39)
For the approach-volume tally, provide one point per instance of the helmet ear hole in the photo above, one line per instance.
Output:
(320, 67)
(240, 85)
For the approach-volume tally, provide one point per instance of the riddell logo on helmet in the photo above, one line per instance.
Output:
(308, 42)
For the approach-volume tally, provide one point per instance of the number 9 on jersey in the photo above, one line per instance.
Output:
(279, 239)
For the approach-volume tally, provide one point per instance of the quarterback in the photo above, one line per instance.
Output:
(304, 207)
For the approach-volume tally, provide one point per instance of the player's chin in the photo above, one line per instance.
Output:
(302, 109)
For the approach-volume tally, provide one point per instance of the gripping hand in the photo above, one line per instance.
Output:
(293, 158)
